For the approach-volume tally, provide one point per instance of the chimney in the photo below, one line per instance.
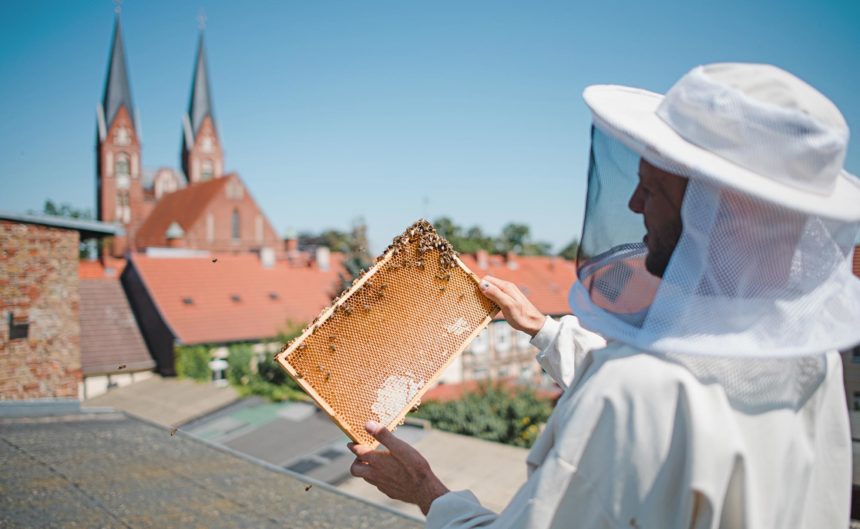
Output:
(511, 259)
(483, 259)
(323, 258)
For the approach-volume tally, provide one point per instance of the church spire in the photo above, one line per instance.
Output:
(117, 91)
(202, 156)
(200, 104)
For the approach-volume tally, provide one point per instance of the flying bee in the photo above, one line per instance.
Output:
(332, 348)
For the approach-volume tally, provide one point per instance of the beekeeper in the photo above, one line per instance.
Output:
(719, 400)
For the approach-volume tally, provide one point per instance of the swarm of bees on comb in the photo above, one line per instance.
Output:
(386, 340)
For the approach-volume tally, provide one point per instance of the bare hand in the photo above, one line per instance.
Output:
(519, 312)
(401, 473)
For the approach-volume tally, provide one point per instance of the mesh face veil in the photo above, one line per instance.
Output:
(741, 275)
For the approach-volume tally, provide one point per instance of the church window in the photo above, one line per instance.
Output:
(234, 225)
(206, 170)
(121, 167)
(210, 228)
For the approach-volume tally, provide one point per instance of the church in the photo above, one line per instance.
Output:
(200, 206)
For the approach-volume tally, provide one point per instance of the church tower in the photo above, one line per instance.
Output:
(202, 156)
(119, 191)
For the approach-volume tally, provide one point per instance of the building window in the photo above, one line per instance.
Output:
(855, 356)
(123, 209)
(187, 300)
(258, 229)
(523, 341)
(121, 166)
(206, 170)
(210, 228)
(479, 344)
(234, 225)
(502, 336)
(18, 328)
(856, 405)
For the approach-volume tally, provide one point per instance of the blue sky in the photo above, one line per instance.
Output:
(388, 110)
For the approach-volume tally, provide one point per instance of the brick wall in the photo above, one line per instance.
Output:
(39, 286)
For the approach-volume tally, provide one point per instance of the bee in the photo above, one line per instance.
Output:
(320, 367)
(366, 307)
(214, 259)
(327, 377)
(122, 366)
(332, 348)
(173, 431)
(383, 286)
(332, 338)
(307, 488)
(461, 296)
(441, 289)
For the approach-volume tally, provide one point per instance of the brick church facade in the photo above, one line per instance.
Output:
(200, 207)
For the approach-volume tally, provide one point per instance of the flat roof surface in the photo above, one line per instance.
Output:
(87, 228)
(110, 470)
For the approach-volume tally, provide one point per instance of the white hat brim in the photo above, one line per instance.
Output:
(630, 115)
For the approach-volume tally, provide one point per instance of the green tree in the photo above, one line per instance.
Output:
(570, 251)
(493, 412)
(357, 255)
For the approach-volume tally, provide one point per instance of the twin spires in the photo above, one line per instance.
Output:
(201, 154)
(117, 92)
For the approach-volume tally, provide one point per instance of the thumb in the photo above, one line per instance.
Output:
(390, 441)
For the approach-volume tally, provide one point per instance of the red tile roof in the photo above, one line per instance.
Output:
(110, 337)
(546, 281)
(184, 206)
(449, 392)
(107, 267)
(267, 297)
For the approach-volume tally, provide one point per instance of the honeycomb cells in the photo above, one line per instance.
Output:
(403, 323)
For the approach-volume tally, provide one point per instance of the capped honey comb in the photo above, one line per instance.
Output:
(384, 342)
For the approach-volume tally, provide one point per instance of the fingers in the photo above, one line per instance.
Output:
(363, 452)
(505, 286)
(496, 294)
(390, 441)
(359, 469)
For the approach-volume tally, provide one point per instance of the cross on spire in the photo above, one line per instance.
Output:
(201, 19)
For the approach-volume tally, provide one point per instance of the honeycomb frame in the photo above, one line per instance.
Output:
(394, 331)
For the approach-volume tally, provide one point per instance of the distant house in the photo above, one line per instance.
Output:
(113, 352)
(501, 352)
(187, 297)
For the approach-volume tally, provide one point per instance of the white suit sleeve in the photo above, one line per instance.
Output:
(563, 344)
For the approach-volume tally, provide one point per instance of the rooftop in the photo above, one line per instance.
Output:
(197, 296)
(87, 228)
(545, 280)
(110, 338)
(110, 470)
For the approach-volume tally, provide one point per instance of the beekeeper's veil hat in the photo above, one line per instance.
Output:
(769, 217)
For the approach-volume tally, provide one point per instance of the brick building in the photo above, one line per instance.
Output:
(40, 335)
(500, 352)
(142, 201)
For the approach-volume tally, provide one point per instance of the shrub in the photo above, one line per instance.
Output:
(239, 360)
(192, 361)
(494, 413)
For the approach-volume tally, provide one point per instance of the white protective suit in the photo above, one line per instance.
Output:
(648, 441)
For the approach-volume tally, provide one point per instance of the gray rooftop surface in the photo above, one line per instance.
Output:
(109, 470)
